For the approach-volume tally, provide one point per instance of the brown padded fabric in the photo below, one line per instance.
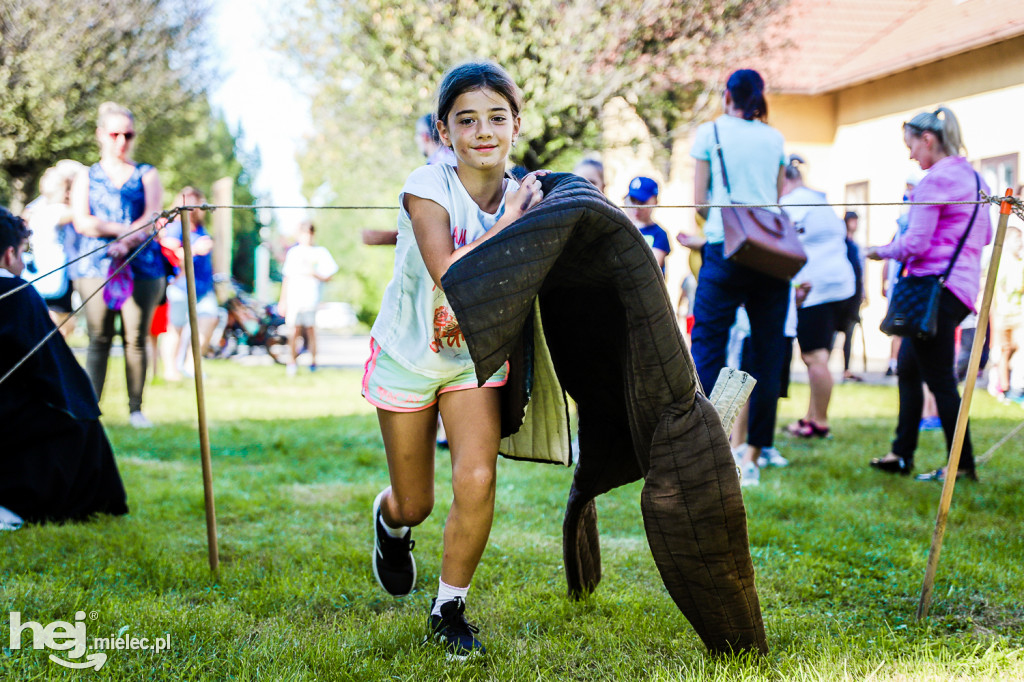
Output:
(618, 352)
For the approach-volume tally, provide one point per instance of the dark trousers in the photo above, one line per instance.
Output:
(931, 361)
(136, 317)
(722, 288)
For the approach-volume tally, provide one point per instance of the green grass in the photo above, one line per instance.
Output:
(839, 552)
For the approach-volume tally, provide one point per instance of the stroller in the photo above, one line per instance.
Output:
(247, 323)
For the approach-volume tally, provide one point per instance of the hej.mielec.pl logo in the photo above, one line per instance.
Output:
(71, 637)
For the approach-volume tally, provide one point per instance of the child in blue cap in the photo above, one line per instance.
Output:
(640, 203)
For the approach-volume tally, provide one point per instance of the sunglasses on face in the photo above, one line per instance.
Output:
(127, 136)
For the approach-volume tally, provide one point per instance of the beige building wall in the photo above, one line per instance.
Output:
(848, 137)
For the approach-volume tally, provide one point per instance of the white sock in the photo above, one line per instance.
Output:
(393, 532)
(447, 593)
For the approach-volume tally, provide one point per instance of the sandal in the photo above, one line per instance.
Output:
(797, 428)
(805, 428)
(892, 466)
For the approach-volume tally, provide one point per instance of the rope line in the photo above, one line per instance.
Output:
(56, 328)
(992, 450)
(165, 214)
(1017, 206)
(986, 199)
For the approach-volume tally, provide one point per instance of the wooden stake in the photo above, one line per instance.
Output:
(197, 365)
(965, 408)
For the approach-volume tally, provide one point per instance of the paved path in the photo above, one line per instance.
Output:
(333, 351)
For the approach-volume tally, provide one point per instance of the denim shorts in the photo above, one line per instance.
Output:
(393, 387)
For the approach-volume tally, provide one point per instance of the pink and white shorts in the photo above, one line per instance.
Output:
(390, 386)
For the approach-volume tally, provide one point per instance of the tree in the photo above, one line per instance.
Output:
(59, 59)
(374, 66)
(377, 62)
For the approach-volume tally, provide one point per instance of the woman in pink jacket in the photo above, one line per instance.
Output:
(926, 248)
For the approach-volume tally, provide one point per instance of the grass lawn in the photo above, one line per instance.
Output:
(839, 551)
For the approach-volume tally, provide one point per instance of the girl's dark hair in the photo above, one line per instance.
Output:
(747, 89)
(12, 230)
(474, 76)
(793, 168)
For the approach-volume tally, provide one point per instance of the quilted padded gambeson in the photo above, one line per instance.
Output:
(618, 352)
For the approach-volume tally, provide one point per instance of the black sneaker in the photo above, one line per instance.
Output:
(393, 565)
(451, 630)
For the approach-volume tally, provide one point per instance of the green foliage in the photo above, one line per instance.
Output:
(59, 59)
(374, 66)
(839, 551)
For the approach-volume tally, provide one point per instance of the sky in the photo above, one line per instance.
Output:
(274, 115)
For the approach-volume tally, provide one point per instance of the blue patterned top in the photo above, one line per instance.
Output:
(123, 204)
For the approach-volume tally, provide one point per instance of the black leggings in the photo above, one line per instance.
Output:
(932, 362)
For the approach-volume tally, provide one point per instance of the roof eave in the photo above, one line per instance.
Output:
(912, 61)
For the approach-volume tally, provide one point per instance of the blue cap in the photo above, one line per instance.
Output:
(642, 189)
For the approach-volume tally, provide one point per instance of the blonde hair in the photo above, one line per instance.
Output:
(56, 182)
(179, 199)
(943, 124)
(108, 109)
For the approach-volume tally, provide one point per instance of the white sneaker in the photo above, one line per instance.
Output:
(750, 475)
(770, 457)
(9, 520)
(139, 421)
(291, 369)
(737, 454)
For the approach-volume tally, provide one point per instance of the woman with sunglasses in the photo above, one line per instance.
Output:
(108, 200)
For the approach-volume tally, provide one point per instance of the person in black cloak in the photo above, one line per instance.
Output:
(56, 462)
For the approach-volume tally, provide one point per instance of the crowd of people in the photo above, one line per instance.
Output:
(421, 378)
(742, 317)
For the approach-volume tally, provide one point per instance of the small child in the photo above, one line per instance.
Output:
(306, 268)
(419, 363)
(640, 203)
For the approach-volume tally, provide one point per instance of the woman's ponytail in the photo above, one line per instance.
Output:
(952, 142)
(747, 89)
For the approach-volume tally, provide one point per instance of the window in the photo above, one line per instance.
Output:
(999, 173)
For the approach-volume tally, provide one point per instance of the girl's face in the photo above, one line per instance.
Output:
(922, 147)
(480, 129)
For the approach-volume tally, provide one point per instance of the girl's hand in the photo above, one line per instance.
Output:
(528, 195)
(872, 253)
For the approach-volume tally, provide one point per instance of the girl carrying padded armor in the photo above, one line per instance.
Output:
(419, 362)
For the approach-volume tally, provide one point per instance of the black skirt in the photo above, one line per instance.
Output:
(57, 468)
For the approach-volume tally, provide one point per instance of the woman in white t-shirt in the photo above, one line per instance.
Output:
(828, 281)
(419, 362)
(754, 160)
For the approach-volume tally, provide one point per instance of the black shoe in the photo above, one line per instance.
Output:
(393, 565)
(452, 631)
(940, 475)
(893, 466)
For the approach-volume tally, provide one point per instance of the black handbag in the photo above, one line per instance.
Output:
(914, 305)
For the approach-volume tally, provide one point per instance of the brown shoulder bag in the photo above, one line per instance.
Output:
(758, 238)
